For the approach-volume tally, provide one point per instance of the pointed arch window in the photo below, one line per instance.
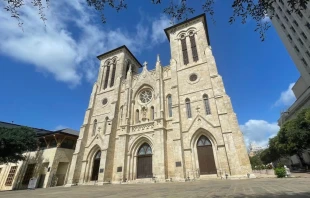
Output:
(207, 104)
(113, 73)
(193, 46)
(145, 149)
(152, 113)
(94, 127)
(106, 80)
(188, 108)
(127, 69)
(203, 141)
(105, 125)
(184, 50)
(137, 116)
(169, 105)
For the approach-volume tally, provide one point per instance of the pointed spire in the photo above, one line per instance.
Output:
(158, 60)
(145, 64)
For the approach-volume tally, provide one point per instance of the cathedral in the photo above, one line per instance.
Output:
(171, 123)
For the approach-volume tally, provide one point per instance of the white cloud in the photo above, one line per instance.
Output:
(158, 26)
(259, 131)
(69, 43)
(59, 127)
(287, 97)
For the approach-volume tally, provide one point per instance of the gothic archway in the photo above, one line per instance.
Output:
(205, 156)
(96, 165)
(144, 162)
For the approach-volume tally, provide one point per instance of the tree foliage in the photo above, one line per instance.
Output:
(293, 138)
(180, 10)
(256, 161)
(14, 142)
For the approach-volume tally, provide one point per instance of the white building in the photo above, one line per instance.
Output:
(294, 31)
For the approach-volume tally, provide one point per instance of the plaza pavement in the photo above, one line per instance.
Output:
(265, 187)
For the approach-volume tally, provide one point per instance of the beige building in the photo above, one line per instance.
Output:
(170, 123)
(294, 31)
(49, 164)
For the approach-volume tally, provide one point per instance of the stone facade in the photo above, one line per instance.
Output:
(131, 110)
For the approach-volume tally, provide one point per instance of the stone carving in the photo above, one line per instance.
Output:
(287, 171)
(143, 127)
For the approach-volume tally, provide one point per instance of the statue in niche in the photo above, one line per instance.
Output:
(144, 113)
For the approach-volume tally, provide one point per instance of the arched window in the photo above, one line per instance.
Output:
(184, 50)
(193, 46)
(206, 103)
(113, 73)
(105, 125)
(203, 141)
(169, 105)
(106, 80)
(188, 108)
(127, 69)
(137, 116)
(94, 127)
(145, 149)
(152, 113)
(121, 114)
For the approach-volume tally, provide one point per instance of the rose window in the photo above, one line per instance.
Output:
(145, 96)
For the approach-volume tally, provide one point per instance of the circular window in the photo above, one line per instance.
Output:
(104, 101)
(145, 96)
(193, 77)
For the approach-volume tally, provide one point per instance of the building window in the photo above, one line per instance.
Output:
(308, 53)
(152, 113)
(169, 101)
(288, 12)
(293, 29)
(104, 101)
(113, 74)
(106, 80)
(127, 69)
(308, 25)
(184, 50)
(280, 8)
(286, 18)
(289, 36)
(300, 41)
(295, 22)
(283, 26)
(121, 114)
(11, 175)
(277, 16)
(304, 61)
(137, 116)
(105, 125)
(304, 35)
(28, 174)
(194, 47)
(296, 48)
(300, 14)
(206, 103)
(94, 127)
(68, 144)
(188, 108)
(281, 2)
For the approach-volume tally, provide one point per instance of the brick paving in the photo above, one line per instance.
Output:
(266, 187)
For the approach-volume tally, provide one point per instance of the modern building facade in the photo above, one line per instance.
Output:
(49, 164)
(171, 122)
(294, 31)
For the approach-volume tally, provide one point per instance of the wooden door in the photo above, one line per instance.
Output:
(95, 173)
(144, 167)
(206, 160)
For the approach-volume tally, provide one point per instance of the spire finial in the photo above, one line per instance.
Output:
(144, 64)
(158, 60)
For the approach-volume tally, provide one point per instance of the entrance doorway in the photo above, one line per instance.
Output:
(144, 164)
(205, 156)
(96, 164)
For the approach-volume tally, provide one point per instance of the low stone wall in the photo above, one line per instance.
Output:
(264, 173)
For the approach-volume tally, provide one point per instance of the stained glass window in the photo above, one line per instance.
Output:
(188, 108)
(169, 100)
(203, 141)
(145, 149)
(94, 127)
(145, 96)
(206, 103)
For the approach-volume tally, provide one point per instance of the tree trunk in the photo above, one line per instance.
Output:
(302, 161)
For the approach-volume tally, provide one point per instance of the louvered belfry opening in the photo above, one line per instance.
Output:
(113, 74)
(144, 162)
(184, 51)
(194, 47)
(205, 156)
(106, 80)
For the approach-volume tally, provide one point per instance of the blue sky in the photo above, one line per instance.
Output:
(47, 72)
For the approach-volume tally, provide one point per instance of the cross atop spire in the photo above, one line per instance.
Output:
(144, 64)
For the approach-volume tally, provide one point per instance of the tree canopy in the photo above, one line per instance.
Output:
(14, 142)
(180, 10)
(293, 138)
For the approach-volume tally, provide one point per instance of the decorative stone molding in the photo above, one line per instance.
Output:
(143, 127)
